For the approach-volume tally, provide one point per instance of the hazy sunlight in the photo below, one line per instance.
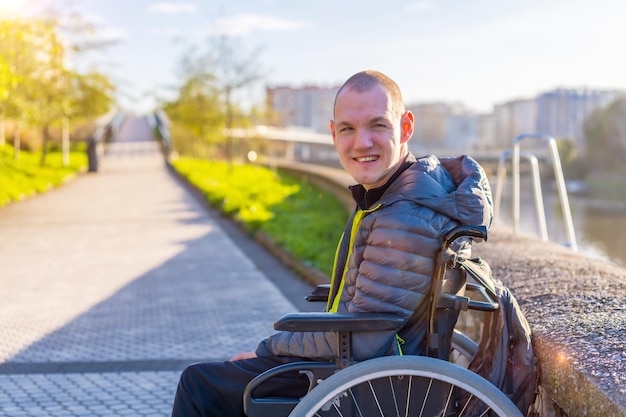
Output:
(9, 8)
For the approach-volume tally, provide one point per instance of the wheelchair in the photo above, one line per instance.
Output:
(438, 384)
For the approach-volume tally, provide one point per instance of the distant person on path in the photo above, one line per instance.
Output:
(385, 258)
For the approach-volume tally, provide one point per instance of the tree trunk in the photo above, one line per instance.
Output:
(2, 137)
(65, 141)
(44, 147)
(16, 143)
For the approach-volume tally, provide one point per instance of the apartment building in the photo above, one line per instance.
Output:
(510, 119)
(443, 126)
(562, 112)
(309, 106)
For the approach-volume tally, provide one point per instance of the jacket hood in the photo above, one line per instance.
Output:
(457, 187)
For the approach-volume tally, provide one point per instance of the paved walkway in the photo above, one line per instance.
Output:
(112, 283)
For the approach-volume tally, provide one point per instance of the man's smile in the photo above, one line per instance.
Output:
(369, 158)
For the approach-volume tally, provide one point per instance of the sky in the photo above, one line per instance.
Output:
(475, 52)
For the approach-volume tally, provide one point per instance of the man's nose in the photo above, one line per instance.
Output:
(363, 139)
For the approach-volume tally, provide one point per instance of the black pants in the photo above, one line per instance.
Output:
(215, 389)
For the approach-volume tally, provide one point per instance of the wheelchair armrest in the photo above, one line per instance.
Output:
(320, 293)
(338, 322)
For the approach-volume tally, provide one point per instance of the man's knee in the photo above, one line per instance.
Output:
(190, 376)
(205, 389)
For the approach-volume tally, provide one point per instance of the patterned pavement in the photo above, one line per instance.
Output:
(116, 281)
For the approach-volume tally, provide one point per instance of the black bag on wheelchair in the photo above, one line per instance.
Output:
(505, 355)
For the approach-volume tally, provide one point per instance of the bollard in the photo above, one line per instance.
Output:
(92, 155)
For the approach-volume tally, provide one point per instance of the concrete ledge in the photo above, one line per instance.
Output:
(576, 307)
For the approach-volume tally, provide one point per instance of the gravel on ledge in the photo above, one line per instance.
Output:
(576, 307)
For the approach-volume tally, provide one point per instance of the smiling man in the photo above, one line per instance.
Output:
(385, 258)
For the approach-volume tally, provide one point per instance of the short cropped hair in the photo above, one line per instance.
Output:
(366, 80)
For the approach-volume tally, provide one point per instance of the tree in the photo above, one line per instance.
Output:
(605, 136)
(197, 112)
(197, 117)
(574, 167)
(37, 88)
(234, 72)
(206, 105)
(18, 61)
(7, 82)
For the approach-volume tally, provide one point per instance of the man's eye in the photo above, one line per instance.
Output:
(346, 129)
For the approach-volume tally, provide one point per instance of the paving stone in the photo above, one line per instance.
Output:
(114, 282)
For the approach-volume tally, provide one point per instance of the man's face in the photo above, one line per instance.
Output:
(370, 139)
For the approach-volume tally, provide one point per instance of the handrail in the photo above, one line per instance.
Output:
(160, 122)
(558, 174)
(101, 137)
(536, 182)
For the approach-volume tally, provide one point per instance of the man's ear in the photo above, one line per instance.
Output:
(407, 124)
(332, 130)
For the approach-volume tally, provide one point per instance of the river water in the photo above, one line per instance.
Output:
(599, 225)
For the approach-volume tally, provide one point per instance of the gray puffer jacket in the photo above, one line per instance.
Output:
(391, 254)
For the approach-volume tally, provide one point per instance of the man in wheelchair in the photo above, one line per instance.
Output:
(385, 258)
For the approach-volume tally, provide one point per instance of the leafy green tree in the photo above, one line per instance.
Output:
(206, 111)
(7, 81)
(90, 95)
(605, 136)
(18, 63)
(196, 114)
(37, 88)
(235, 71)
(574, 166)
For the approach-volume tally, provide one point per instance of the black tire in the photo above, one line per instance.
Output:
(405, 385)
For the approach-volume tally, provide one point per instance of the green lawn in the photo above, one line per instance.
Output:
(295, 214)
(25, 177)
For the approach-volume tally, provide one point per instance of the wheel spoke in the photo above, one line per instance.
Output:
(336, 407)
(408, 397)
(380, 410)
(465, 405)
(445, 409)
(393, 395)
(421, 386)
(356, 403)
(430, 384)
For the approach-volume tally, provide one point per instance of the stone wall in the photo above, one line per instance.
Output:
(576, 307)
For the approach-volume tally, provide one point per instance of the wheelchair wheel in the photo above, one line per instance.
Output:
(405, 386)
(463, 349)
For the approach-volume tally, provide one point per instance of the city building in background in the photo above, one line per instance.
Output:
(443, 126)
(511, 119)
(306, 107)
(560, 113)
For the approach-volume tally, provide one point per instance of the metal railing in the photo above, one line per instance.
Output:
(160, 123)
(516, 154)
(102, 136)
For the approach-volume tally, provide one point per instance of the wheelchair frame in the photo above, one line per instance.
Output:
(332, 385)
